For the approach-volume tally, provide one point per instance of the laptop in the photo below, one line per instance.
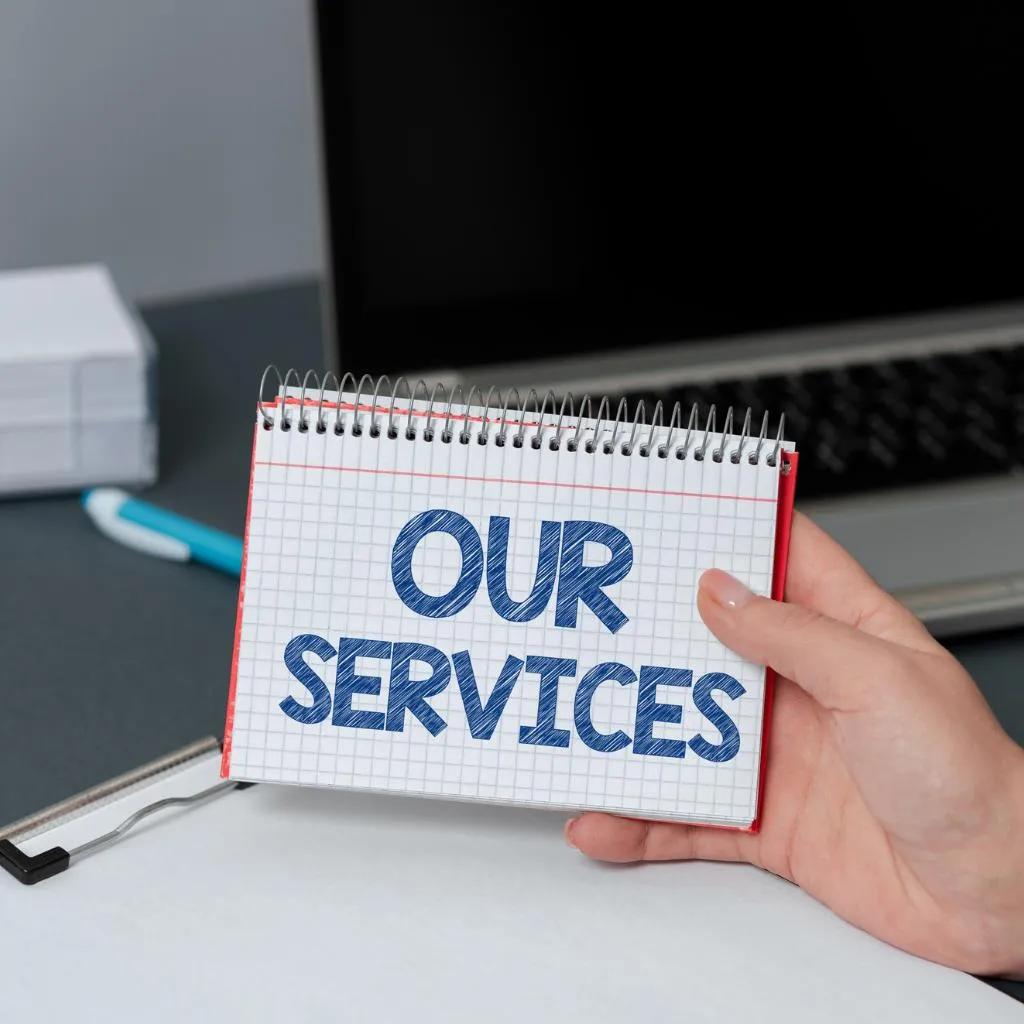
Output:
(814, 215)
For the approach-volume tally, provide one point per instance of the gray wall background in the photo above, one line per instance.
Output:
(174, 140)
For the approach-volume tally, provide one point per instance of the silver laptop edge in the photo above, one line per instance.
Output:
(753, 355)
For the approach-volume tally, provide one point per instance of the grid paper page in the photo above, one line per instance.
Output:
(538, 680)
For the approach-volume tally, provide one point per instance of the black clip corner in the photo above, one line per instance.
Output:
(29, 870)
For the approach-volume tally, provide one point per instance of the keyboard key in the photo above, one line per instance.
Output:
(868, 426)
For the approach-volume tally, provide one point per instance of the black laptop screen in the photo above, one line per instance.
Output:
(518, 180)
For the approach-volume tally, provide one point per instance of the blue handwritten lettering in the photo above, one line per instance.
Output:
(579, 582)
(408, 696)
(605, 743)
(470, 575)
(717, 716)
(405, 694)
(296, 664)
(550, 670)
(483, 718)
(347, 683)
(497, 572)
(649, 711)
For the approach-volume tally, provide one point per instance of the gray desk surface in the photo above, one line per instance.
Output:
(111, 659)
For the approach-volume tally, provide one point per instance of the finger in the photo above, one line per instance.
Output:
(839, 666)
(822, 575)
(625, 840)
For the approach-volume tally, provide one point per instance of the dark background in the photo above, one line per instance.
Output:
(554, 177)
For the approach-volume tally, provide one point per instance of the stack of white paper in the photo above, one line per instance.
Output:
(77, 384)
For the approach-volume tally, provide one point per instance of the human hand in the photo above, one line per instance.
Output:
(892, 794)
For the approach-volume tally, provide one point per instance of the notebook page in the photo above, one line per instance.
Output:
(278, 903)
(608, 695)
(329, 561)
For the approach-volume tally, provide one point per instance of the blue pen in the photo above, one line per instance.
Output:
(159, 533)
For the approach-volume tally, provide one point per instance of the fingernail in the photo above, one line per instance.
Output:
(570, 827)
(724, 589)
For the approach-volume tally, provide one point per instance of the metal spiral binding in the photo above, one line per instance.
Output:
(377, 410)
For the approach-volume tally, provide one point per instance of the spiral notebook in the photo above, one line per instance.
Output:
(481, 598)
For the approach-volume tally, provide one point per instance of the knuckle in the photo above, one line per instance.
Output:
(795, 618)
(644, 845)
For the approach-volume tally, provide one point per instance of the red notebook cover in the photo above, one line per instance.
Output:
(783, 529)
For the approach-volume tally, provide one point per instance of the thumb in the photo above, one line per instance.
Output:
(839, 666)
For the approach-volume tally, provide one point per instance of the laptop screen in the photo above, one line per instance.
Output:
(523, 180)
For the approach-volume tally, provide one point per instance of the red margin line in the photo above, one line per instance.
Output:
(225, 758)
(439, 413)
(503, 480)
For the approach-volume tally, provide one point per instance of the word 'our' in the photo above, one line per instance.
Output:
(561, 555)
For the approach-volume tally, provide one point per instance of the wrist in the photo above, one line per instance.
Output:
(989, 933)
(1009, 955)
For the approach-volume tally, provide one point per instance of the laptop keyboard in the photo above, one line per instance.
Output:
(878, 425)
